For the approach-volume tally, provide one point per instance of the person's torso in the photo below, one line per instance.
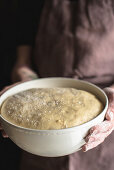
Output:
(75, 39)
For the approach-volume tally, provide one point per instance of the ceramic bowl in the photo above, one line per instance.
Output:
(52, 143)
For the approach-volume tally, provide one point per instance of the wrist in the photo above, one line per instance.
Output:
(24, 53)
(23, 63)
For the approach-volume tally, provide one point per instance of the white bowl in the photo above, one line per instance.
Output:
(52, 143)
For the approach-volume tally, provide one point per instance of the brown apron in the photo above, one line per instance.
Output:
(76, 39)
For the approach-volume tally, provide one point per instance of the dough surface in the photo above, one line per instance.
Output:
(51, 108)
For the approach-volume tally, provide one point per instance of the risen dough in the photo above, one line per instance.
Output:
(51, 108)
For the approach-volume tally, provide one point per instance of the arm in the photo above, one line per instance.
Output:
(28, 15)
(22, 70)
(24, 54)
(26, 30)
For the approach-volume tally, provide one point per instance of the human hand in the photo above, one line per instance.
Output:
(98, 133)
(23, 73)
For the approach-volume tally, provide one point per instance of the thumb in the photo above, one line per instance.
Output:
(110, 93)
(110, 115)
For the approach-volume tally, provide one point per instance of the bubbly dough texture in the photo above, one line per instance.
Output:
(51, 108)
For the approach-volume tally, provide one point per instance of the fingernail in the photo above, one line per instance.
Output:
(84, 148)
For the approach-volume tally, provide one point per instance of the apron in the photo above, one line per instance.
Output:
(76, 39)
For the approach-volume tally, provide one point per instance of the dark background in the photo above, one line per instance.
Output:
(9, 152)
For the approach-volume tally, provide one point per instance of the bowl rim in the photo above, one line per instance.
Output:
(57, 130)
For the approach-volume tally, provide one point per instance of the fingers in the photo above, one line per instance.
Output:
(110, 94)
(27, 74)
(4, 134)
(91, 145)
(110, 111)
(96, 137)
(102, 128)
(105, 126)
(97, 134)
(28, 77)
(110, 114)
(94, 140)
